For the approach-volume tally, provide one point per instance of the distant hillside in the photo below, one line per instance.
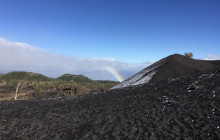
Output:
(38, 86)
(76, 78)
(39, 77)
(22, 75)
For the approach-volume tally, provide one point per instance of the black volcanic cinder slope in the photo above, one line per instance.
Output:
(178, 65)
(172, 66)
(181, 108)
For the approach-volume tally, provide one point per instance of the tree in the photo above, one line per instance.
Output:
(189, 54)
(20, 85)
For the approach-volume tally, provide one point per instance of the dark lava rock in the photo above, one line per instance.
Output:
(191, 87)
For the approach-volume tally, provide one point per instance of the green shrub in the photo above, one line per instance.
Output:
(37, 90)
(190, 54)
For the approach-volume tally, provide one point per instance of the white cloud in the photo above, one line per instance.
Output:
(212, 57)
(15, 56)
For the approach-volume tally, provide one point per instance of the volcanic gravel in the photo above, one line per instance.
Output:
(181, 108)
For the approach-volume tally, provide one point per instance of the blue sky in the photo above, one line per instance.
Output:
(130, 31)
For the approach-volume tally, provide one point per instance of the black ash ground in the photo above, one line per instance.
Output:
(177, 108)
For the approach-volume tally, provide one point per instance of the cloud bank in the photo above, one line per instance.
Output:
(212, 57)
(15, 56)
